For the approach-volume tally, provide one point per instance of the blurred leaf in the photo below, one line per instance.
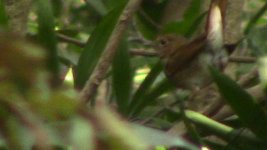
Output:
(144, 87)
(256, 41)
(263, 71)
(21, 61)
(117, 133)
(81, 135)
(159, 138)
(3, 15)
(98, 6)
(47, 36)
(58, 106)
(12, 129)
(122, 77)
(249, 112)
(254, 19)
(95, 46)
(57, 6)
(110, 4)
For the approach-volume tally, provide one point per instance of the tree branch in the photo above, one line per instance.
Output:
(151, 52)
(90, 88)
(71, 40)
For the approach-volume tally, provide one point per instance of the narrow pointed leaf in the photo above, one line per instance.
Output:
(145, 86)
(122, 77)
(249, 112)
(3, 15)
(151, 96)
(95, 46)
(47, 36)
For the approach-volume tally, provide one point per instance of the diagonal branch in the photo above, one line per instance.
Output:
(90, 88)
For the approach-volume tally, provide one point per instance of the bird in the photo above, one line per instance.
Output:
(186, 62)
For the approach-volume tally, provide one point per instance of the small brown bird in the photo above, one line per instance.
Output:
(186, 62)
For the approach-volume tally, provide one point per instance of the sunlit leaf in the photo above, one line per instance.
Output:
(158, 138)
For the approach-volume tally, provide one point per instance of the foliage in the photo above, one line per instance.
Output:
(42, 75)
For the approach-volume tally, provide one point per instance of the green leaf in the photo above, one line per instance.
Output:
(47, 35)
(81, 134)
(3, 16)
(225, 132)
(57, 6)
(159, 138)
(145, 86)
(110, 4)
(152, 95)
(95, 46)
(122, 77)
(249, 112)
(98, 6)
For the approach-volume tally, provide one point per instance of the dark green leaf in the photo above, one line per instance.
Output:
(57, 6)
(249, 112)
(113, 3)
(98, 6)
(47, 36)
(145, 86)
(95, 46)
(3, 16)
(152, 95)
(122, 77)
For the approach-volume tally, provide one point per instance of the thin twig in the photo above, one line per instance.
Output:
(143, 52)
(71, 40)
(133, 52)
(151, 52)
(90, 88)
